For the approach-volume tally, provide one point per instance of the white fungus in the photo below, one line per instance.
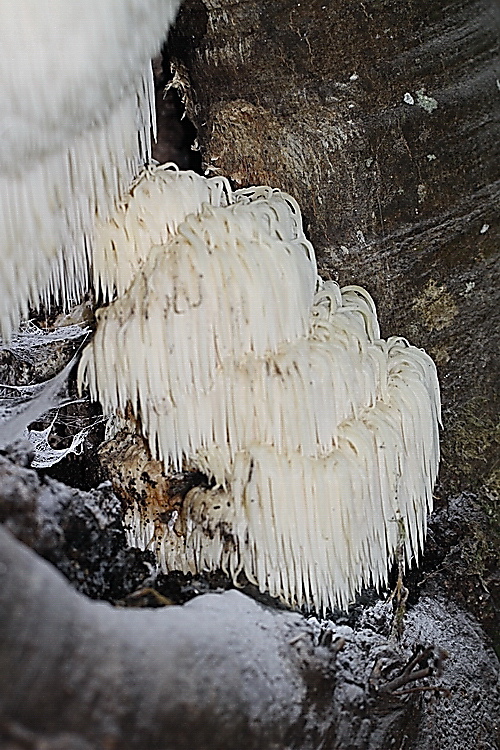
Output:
(198, 305)
(77, 103)
(321, 438)
(158, 201)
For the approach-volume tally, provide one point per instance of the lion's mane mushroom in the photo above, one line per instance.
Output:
(320, 437)
(158, 201)
(76, 111)
(206, 294)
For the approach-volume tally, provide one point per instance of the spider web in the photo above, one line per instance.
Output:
(21, 406)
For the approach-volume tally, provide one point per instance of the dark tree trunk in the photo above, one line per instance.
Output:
(383, 120)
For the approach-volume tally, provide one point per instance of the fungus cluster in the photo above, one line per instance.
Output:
(76, 112)
(320, 439)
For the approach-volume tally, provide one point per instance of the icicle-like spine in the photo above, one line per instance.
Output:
(77, 106)
(319, 436)
(158, 201)
(47, 214)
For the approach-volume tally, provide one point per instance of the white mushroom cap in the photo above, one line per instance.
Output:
(158, 201)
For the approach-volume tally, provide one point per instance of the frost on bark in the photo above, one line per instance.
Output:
(219, 672)
(381, 119)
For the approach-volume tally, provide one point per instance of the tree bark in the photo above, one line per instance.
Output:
(222, 672)
(383, 120)
(219, 672)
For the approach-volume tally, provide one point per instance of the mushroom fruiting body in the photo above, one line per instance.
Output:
(232, 281)
(321, 438)
(76, 112)
(158, 201)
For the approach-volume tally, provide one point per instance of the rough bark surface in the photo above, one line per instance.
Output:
(223, 671)
(211, 675)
